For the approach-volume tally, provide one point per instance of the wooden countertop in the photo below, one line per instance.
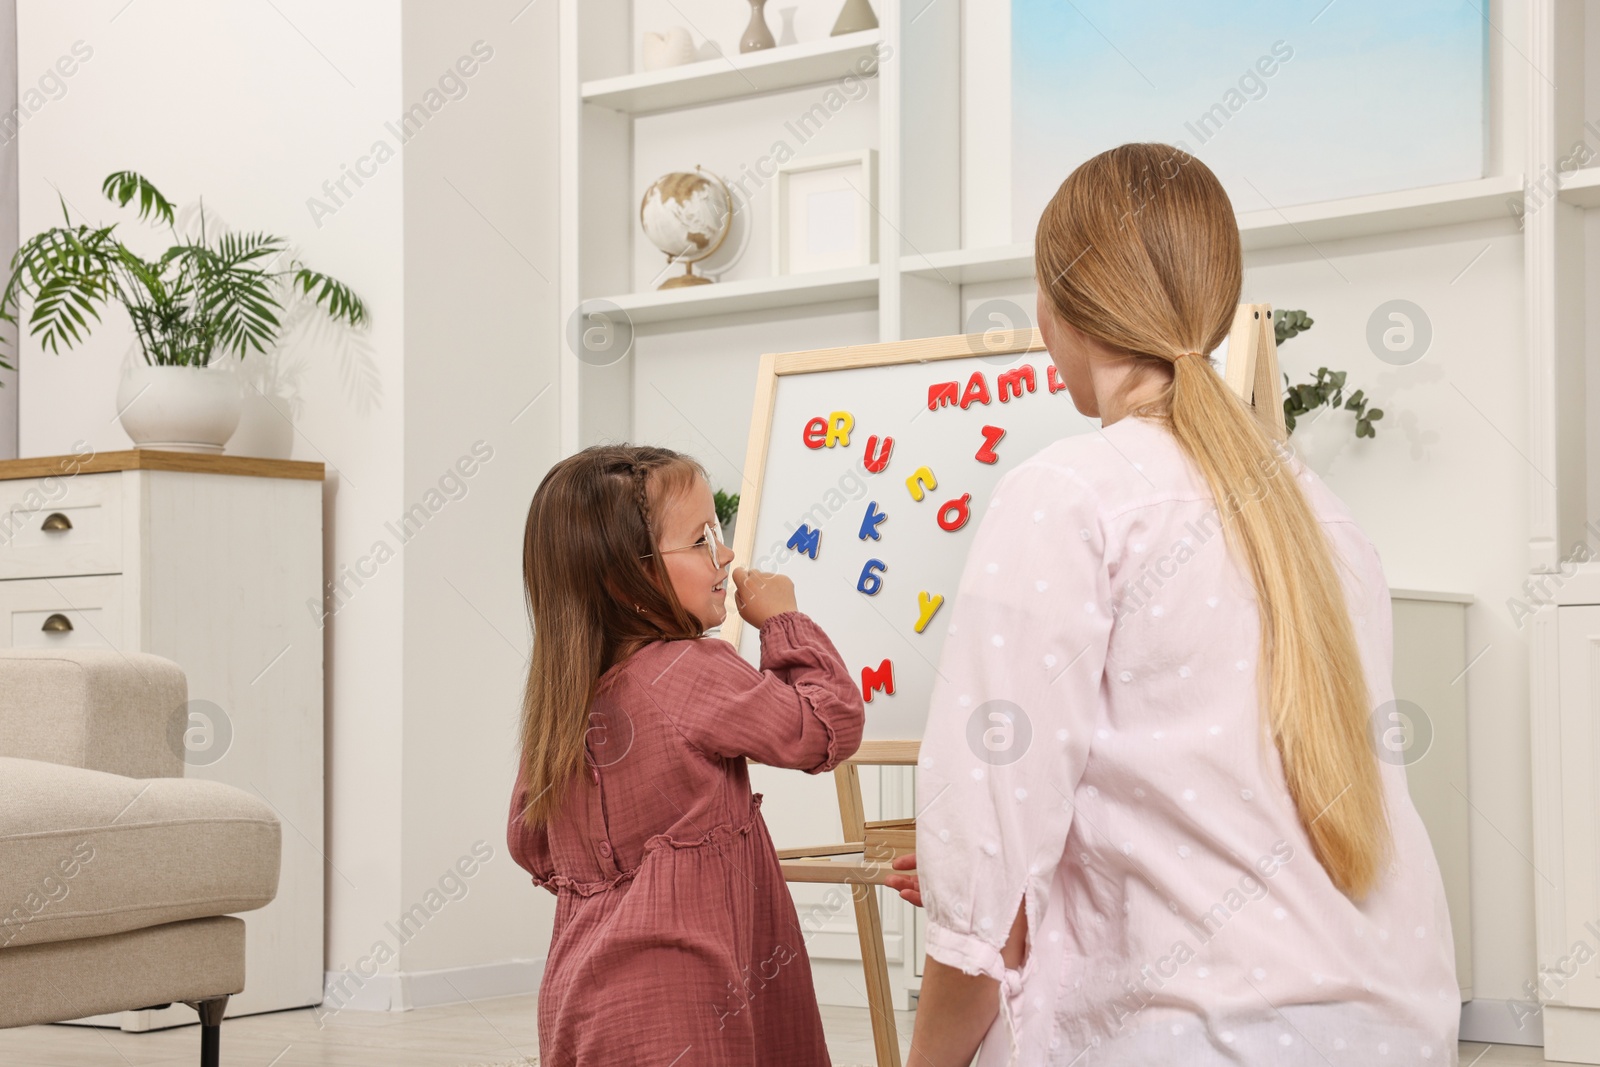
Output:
(151, 459)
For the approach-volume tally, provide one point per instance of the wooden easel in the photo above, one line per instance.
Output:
(876, 844)
(863, 860)
(1252, 370)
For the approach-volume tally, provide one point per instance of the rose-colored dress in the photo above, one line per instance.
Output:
(675, 934)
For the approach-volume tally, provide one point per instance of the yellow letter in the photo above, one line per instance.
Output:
(840, 423)
(921, 481)
(926, 606)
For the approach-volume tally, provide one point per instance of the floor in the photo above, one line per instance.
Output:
(489, 1031)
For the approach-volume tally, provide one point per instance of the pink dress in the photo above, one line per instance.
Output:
(676, 940)
(1095, 748)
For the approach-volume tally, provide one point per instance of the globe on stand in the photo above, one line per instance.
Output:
(687, 216)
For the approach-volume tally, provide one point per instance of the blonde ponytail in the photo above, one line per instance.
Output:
(1139, 249)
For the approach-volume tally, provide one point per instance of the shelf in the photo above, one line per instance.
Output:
(965, 266)
(1363, 216)
(736, 77)
(1581, 187)
(1432, 595)
(1329, 220)
(756, 294)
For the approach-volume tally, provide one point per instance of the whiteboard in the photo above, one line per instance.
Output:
(941, 401)
(828, 490)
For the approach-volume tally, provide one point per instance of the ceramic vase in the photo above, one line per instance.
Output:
(757, 36)
(856, 16)
(181, 409)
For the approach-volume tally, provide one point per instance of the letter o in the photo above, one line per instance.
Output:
(961, 506)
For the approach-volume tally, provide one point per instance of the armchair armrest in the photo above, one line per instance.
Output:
(103, 710)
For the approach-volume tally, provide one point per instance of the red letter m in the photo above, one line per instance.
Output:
(882, 678)
(942, 395)
(1012, 381)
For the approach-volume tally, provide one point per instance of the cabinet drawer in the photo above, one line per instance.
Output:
(61, 525)
(81, 612)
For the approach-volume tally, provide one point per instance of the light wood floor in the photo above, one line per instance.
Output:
(488, 1031)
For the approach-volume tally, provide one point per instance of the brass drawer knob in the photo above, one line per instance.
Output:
(55, 522)
(57, 624)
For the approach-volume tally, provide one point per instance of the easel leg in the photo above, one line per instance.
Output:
(869, 924)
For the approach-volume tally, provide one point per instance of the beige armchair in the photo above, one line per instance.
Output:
(118, 876)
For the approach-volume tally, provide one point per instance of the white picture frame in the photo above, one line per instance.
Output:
(825, 213)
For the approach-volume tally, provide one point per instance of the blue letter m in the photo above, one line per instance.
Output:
(805, 540)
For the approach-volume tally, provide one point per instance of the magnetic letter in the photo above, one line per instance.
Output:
(840, 423)
(927, 606)
(1052, 380)
(991, 437)
(922, 479)
(871, 580)
(875, 461)
(815, 432)
(882, 678)
(941, 395)
(806, 540)
(977, 391)
(871, 521)
(962, 513)
(1012, 382)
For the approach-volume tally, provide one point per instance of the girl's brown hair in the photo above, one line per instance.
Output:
(597, 592)
(1139, 250)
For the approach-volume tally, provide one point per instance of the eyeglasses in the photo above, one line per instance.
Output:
(710, 540)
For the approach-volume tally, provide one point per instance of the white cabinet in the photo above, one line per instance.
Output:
(214, 562)
(79, 612)
(1430, 665)
(1564, 673)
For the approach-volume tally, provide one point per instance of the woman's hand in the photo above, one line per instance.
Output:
(761, 594)
(908, 885)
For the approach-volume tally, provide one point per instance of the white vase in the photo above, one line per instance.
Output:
(180, 409)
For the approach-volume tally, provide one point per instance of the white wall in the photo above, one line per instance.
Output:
(255, 122)
(256, 106)
(480, 285)
(8, 215)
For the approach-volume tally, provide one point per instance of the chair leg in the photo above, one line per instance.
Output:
(210, 1029)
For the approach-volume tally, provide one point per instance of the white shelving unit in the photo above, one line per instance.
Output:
(755, 294)
(613, 117)
(1561, 244)
(1302, 224)
(733, 77)
(1581, 188)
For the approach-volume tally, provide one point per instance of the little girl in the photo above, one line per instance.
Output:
(676, 940)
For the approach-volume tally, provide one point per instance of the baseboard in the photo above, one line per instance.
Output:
(1494, 1022)
(349, 991)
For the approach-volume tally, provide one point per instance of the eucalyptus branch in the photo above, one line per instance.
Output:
(1327, 388)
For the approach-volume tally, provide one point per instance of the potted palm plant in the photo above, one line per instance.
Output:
(208, 296)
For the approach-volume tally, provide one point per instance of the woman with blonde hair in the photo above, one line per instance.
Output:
(1153, 826)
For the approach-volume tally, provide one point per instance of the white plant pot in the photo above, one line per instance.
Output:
(181, 409)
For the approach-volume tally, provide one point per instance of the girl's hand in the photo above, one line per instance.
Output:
(908, 885)
(760, 595)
